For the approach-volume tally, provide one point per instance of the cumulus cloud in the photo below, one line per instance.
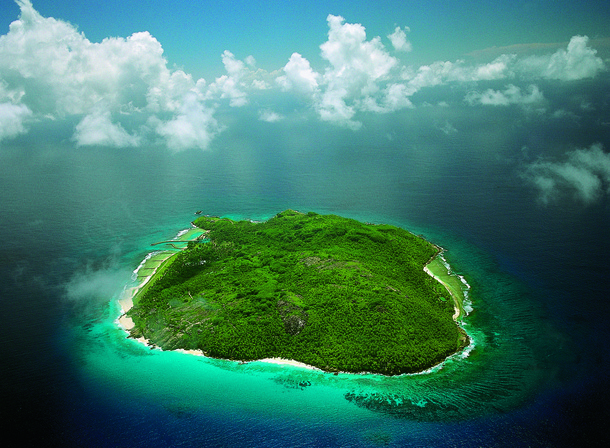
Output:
(499, 68)
(355, 78)
(397, 97)
(97, 129)
(355, 63)
(230, 86)
(443, 72)
(361, 76)
(399, 39)
(511, 95)
(193, 127)
(63, 73)
(333, 108)
(578, 61)
(585, 175)
(241, 77)
(299, 76)
(54, 71)
(50, 70)
(12, 117)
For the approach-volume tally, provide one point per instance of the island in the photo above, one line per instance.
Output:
(323, 290)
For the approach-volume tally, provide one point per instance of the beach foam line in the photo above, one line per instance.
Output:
(148, 256)
(182, 232)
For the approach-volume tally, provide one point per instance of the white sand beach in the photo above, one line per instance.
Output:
(288, 362)
(126, 303)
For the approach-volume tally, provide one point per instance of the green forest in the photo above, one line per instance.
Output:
(325, 290)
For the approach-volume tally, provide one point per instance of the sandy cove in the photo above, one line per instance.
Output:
(287, 362)
(126, 304)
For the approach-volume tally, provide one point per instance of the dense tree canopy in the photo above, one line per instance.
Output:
(321, 289)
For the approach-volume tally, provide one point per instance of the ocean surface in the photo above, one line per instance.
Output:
(76, 222)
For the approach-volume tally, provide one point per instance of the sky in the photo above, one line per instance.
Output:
(128, 74)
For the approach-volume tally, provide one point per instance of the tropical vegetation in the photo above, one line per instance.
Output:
(324, 290)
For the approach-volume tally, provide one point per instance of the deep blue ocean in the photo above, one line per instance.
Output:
(76, 222)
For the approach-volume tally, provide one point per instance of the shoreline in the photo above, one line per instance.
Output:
(126, 300)
(458, 305)
(287, 362)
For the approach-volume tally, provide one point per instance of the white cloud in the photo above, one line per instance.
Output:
(426, 75)
(299, 76)
(359, 75)
(333, 108)
(166, 95)
(429, 75)
(62, 72)
(399, 39)
(269, 116)
(355, 62)
(585, 175)
(231, 86)
(443, 72)
(228, 87)
(12, 95)
(355, 78)
(578, 61)
(511, 95)
(12, 117)
(97, 129)
(234, 67)
(55, 71)
(563, 114)
(397, 97)
(193, 127)
(241, 77)
(259, 84)
(50, 70)
(499, 68)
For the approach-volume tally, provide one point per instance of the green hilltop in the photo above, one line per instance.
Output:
(324, 290)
